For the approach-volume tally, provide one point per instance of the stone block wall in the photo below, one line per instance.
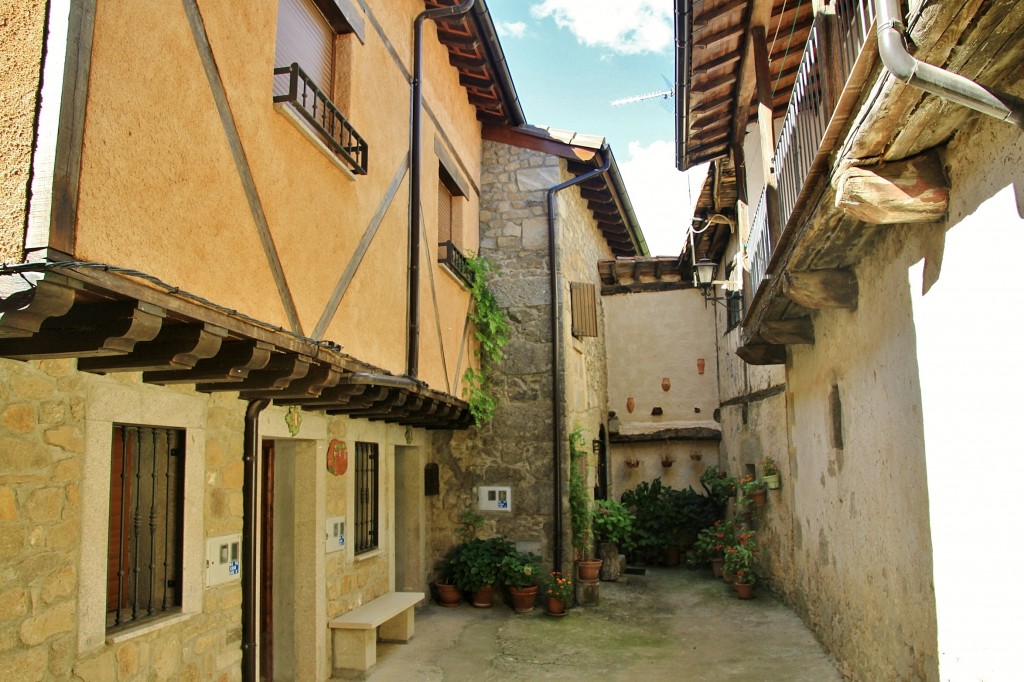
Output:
(516, 447)
(43, 447)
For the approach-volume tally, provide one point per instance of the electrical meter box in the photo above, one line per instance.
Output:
(223, 559)
(335, 534)
(495, 498)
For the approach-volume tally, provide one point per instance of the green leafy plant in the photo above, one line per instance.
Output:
(769, 467)
(712, 541)
(558, 586)
(519, 570)
(612, 522)
(580, 512)
(741, 558)
(652, 527)
(752, 485)
(492, 332)
(718, 484)
(474, 564)
(470, 524)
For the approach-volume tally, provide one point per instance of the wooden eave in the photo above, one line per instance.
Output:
(885, 120)
(475, 52)
(642, 274)
(117, 323)
(711, 43)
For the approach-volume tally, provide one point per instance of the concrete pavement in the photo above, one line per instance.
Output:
(670, 624)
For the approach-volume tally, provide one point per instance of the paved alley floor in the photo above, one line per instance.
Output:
(671, 624)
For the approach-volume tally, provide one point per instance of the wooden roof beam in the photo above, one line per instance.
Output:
(721, 36)
(178, 346)
(232, 363)
(760, 15)
(718, 12)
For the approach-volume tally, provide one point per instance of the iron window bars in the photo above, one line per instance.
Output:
(367, 492)
(147, 476)
(449, 255)
(325, 118)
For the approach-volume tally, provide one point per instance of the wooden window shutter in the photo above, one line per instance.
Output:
(444, 213)
(584, 308)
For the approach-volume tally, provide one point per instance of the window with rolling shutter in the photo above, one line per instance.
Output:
(312, 36)
(583, 300)
(305, 38)
(449, 225)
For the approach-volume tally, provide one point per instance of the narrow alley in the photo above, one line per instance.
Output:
(670, 624)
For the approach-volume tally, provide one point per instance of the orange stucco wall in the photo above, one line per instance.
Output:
(160, 191)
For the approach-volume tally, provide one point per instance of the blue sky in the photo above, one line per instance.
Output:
(570, 59)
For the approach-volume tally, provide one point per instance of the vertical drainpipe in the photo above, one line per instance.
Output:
(416, 130)
(250, 507)
(556, 383)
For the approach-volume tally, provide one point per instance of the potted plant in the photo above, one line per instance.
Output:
(667, 461)
(558, 591)
(755, 490)
(474, 567)
(770, 473)
(711, 544)
(580, 510)
(518, 571)
(632, 462)
(741, 561)
(718, 484)
(449, 590)
(613, 527)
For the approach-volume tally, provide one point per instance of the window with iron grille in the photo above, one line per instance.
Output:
(367, 493)
(144, 547)
(733, 309)
(584, 309)
(450, 200)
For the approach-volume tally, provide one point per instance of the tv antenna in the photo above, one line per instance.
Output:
(657, 94)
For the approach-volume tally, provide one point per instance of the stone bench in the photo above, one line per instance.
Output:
(354, 634)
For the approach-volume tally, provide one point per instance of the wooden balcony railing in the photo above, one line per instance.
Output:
(317, 109)
(810, 128)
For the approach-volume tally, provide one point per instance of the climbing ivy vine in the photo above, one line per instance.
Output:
(492, 332)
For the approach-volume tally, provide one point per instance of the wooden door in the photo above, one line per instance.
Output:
(266, 643)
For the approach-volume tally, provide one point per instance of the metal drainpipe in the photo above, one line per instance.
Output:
(251, 458)
(556, 384)
(930, 78)
(416, 128)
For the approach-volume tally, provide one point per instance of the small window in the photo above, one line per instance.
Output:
(144, 548)
(584, 309)
(312, 38)
(367, 494)
(733, 309)
(450, 205)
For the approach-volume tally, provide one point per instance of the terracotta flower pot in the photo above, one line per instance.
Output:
(523, 599)
(588, 570)
(483, 597)
(555, 607)
(448, 595)
(744, 590)
(759, 497)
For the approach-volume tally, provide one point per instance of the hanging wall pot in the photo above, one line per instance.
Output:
(630, 404)
(700, 365)
(337, 457)
(666, 384)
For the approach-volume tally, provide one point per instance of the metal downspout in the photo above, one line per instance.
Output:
(556, 384)
(933, 79)
(416, 128)
(250, 508)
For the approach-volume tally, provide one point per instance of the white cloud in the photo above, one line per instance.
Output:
(511, 29)
(662, 197)
(623, 26)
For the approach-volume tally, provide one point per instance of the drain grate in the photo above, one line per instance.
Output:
(633, 570)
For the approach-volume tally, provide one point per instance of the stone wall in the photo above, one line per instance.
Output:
(21, 33)
(516, 447)
(46, 621)
(55, 428)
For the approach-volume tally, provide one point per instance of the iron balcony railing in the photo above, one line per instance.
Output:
(821, 78)
(318, 110)
(450, 256)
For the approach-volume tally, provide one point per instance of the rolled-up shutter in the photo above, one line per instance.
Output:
(305, 37)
